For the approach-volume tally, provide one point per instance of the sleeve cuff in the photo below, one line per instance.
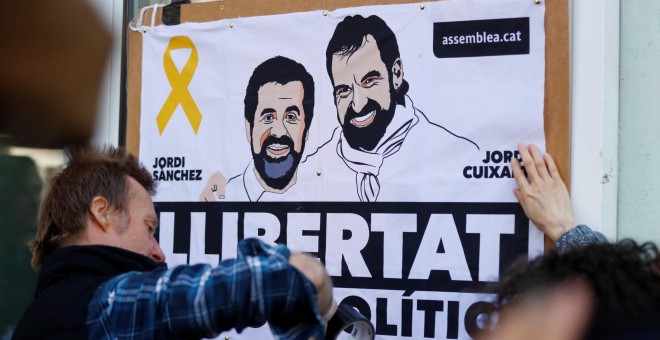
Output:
(579, 236)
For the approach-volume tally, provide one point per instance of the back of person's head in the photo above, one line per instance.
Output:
(623, 277)
(89, 172)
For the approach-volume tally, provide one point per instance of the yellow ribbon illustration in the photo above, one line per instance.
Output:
(179, 82)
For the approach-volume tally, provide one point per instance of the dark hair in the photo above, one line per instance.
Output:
(90, 172)
(624, 277)
(279, 70)
(349, 37)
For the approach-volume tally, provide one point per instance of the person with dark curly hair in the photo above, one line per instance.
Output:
(597, 291)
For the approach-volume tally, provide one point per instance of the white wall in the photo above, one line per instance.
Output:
(594, 113)
(639, 121)
(615, 81)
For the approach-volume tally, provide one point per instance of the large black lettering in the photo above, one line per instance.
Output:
(431, 231)
(382, 327)
(452, 319)
(430, 308)
(496, 157)
(493, 171)
(506, 172)
(460, 233)
(406, 317)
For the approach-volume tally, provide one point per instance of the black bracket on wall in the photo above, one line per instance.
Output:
(172, 12)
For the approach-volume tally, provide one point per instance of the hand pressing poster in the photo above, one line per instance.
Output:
(378, 139)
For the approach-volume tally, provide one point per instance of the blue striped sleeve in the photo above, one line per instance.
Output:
(202, 301)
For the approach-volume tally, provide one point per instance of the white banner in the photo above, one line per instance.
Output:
(378, 139)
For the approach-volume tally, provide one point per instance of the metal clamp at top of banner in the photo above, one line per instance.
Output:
(538, 2)
(138, 23)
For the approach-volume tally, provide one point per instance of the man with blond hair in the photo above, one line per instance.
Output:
(102, 273)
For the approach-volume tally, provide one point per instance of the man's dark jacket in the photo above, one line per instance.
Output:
(67, 281)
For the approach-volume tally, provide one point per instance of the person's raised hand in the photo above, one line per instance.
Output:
(542, 194)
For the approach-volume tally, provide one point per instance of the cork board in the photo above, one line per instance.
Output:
(557, 81)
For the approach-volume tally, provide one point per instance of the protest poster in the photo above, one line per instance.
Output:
(376, 138)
